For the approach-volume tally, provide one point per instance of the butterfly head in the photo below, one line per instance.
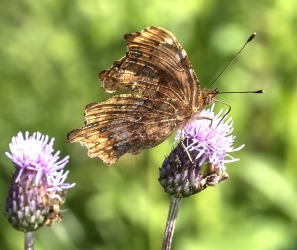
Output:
(209, 96)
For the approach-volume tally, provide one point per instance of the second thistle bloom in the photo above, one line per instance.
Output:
(199, 160)
(37, 187)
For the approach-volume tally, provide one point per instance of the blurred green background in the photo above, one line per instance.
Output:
(50, 55)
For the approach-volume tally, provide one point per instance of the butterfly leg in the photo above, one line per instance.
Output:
(182, 137)
(206, 118)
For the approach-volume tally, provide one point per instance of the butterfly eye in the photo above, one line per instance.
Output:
(215, 91)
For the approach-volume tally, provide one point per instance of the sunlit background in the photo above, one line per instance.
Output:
(50, 55)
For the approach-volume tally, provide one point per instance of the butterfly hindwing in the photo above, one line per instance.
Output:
(124, 124)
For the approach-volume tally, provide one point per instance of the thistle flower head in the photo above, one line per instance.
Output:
(199, 160)
(37, 183)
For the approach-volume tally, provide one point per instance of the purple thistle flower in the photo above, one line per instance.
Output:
(199, 160)
(213, 143)
(37, 188)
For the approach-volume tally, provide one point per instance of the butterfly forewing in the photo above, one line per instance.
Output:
(155, 65)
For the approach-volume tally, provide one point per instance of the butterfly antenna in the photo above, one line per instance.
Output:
(238, 92)
(244, 92)
(229, 107)
(250, 39)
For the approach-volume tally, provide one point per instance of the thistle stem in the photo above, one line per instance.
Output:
(170, 224)
(29, 241)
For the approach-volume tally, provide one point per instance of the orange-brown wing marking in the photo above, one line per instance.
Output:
(155, 65)
(124, 124)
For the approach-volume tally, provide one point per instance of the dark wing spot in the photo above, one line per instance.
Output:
(94, 124)
(136, 54)
(133, 60)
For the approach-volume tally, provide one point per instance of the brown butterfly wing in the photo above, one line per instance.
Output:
(157, 66)
(124, 124)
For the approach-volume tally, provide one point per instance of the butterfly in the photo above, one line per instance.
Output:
(158, 68)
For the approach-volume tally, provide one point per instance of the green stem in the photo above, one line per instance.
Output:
(29, 241)
(170, 224)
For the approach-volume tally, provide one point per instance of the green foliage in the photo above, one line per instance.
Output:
(50, 55)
